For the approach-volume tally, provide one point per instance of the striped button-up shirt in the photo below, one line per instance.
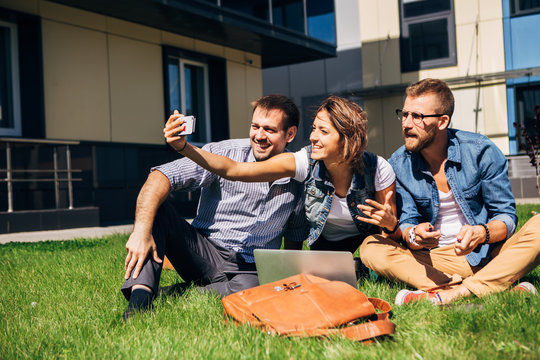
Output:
(237, 215)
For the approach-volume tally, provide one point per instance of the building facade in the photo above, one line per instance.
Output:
(99, 78)
(486, 50)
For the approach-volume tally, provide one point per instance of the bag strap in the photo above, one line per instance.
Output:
(367, 330)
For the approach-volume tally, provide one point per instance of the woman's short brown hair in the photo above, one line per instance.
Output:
(350, 120)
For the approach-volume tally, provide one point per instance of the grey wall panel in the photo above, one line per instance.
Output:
(307, 79)
(344, 72)
(276, 81)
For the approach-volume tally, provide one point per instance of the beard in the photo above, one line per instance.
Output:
(417, 142)
(264, 152)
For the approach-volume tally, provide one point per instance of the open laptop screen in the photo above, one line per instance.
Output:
(274, 265)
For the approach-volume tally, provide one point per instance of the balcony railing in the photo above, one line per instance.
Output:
(58, 175)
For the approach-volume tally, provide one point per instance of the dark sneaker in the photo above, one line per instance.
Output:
(128, 313)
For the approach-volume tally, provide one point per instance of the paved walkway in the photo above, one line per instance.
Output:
(68, 234)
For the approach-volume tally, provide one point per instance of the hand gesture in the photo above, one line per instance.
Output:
(379, 214)
(173, 126)
(468, 238)
(425, 237)
(139, 246)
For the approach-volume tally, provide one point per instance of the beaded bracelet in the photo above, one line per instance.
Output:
(487, 233)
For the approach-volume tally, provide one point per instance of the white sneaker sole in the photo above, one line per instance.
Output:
(400, 297)
(527, 286)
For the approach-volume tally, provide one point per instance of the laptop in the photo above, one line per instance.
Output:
(274, 265)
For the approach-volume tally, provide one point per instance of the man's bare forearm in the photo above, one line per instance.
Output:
(153, 193)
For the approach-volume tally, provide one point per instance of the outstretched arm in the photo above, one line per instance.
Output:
(277, 167)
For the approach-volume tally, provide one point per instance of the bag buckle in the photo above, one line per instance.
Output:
(287, 287)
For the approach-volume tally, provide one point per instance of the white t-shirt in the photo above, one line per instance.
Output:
(450, 219)
(339, 224)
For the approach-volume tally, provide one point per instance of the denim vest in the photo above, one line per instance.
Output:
(477, 173)
(319, 192)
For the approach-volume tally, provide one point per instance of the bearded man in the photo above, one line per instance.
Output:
(457, 212)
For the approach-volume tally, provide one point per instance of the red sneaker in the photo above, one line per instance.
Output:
(525, 287)
(406, 296)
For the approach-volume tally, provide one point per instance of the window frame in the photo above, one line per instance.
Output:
(207, 121)
(450, 60)
(519, 114)
(515, 11)
(217, 89)
(16, 130)
(270, 18)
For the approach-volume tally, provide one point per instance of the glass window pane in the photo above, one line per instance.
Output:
(289, 14)
(6, 100)
(321, 20)
(428, 40)
(527, 107)
(174, 84)
(422, 7)
(255, 8)
(524, 7)
(529, 5)
(195, 100)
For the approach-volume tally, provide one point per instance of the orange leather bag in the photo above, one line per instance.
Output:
(307, 305)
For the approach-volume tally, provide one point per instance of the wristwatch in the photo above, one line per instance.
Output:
(390, 232)
(412, 236)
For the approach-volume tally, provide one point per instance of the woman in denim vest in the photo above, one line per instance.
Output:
(349, 192)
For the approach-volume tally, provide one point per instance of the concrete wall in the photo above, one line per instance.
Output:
(103, 77)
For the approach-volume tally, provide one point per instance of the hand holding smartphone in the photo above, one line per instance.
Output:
(189, 125)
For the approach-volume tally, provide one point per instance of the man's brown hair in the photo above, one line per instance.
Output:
(437, 87)
(291, 114)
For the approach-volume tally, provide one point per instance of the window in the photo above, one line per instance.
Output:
(321, 22)
(10, 116)
(289, 14)
(527, 112)
(196, 84)
(255, 8)
(427, 34)
(189, 94)
(524, 7)
(314, 18)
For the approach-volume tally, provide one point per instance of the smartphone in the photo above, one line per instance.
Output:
(189, 123)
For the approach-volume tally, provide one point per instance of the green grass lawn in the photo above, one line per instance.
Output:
(62, 300)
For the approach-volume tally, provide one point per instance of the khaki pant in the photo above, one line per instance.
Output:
(425, 269)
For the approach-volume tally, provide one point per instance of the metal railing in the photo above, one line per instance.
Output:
(56, 172)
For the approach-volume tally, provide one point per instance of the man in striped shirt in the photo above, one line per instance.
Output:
(215, 251)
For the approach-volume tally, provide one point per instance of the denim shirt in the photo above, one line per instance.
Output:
(477, 173)
(319, 192)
